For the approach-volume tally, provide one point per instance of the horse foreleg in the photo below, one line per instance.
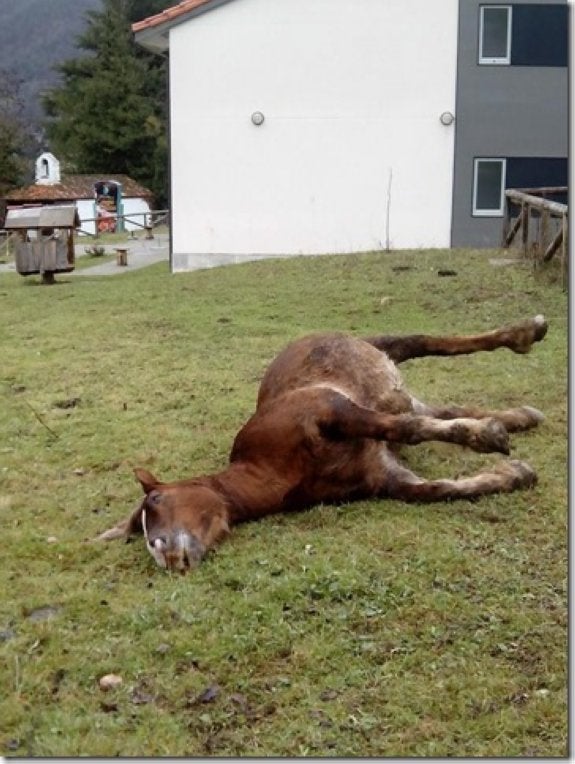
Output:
(344, 419)
(131, 526)
(514, 420)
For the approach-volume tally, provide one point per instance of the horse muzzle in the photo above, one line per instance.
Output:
(178, 551)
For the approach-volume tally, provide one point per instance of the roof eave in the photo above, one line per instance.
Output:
(156, 38)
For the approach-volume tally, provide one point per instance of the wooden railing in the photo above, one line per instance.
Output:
(150, 220)
(541, 223)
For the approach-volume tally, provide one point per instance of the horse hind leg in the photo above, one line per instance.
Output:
(516, 419)
(504, 477)
(518, 337)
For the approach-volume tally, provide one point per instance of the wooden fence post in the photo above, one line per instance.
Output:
(543, 228)
(525, 215)
(506, 223)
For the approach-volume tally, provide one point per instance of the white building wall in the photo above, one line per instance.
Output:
(135, 206)
(352, 155)
(86, 212)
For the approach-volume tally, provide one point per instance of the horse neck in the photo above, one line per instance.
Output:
(250, 492)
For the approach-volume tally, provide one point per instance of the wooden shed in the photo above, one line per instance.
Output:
(45, 239)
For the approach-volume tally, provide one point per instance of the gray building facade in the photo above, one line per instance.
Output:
(512, 110)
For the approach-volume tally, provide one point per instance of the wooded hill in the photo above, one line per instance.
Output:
(101, 100)
(35, 35)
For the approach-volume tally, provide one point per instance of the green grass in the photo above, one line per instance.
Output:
(371, 629)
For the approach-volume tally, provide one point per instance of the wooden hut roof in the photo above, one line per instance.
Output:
(51, 216)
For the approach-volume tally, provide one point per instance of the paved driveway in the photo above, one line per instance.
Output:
(141, 252)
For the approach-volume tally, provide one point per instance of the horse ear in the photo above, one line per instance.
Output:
(146, 480)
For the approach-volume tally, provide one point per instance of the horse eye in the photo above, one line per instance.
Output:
(154, 498)
(154, 501)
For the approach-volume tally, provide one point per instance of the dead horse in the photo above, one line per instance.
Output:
(331, 413)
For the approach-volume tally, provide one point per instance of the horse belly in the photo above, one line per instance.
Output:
(366, 375)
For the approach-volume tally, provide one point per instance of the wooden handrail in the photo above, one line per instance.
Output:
(531, 200)
(555, 208)
(544, 190)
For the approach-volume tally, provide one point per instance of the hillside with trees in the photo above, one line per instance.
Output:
(79, 86)
(14, 138)
(35, 35)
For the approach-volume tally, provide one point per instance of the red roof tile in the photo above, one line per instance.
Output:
(75, 187)
(169, 14)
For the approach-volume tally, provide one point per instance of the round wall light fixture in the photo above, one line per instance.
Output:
(447, 118)
(258, 118)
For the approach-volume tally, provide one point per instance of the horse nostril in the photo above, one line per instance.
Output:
(178, 551)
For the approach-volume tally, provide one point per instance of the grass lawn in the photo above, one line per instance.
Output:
(372, 629)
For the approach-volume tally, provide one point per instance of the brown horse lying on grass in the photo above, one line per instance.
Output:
(331, 414)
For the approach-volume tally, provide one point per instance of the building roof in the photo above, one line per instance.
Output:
(73, 187)
(169, 14)
(152, 33)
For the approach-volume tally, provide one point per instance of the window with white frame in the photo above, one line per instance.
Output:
(495, 34)
(488, 187)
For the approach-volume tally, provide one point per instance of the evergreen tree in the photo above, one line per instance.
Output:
(109, 114)
(13, 134)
